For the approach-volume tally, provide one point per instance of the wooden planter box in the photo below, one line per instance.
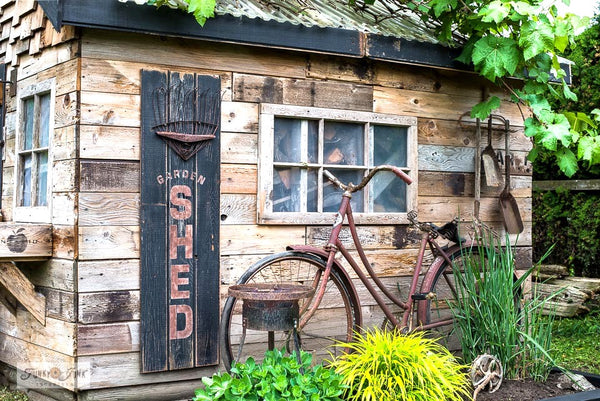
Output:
(21, 241)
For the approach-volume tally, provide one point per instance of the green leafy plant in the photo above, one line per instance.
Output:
(571, 219)
(389, 366)
(278, 377)
(491, 316)
(202, 9)
(10, 395)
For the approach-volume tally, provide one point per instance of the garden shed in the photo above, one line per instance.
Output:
(148, 162)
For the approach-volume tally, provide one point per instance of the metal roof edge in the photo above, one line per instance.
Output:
(129, 17)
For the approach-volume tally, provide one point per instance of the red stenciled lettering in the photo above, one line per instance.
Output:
(186, 241)
(177, 280)
(175, 310)
(184, 203)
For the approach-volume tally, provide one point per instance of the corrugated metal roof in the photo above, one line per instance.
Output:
(330, 14)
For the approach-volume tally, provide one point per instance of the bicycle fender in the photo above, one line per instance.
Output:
(323, 254)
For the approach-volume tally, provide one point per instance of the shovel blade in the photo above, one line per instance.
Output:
(492, 170)
(510, 213)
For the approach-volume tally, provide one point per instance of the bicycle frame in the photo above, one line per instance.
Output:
(334, 245)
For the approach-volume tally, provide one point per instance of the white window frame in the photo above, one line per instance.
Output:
(268, 113)
(33, 214)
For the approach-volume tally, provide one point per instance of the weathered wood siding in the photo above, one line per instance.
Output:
(36, 52)
(92, 283)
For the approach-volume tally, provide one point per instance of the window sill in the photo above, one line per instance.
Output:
(25, 242)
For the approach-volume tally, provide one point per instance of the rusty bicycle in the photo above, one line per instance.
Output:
(333, 312)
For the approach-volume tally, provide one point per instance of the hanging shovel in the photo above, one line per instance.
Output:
(508, 204)
(477, 203)
(490, 161)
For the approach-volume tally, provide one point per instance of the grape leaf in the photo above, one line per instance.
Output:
(494, 57)
(536, 37)
(202, 9)
(484, 109)
(496, 11)
(567, 162)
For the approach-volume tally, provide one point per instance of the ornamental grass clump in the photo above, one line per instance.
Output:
(492, 315)
(389, 366)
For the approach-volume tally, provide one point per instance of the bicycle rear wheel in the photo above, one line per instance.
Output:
(334, 320)
(440, 290)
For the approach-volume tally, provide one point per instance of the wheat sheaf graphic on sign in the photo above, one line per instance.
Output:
(186, 117)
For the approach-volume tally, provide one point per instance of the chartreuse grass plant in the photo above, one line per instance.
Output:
(389, 366)
(494, 318)
(278, 377)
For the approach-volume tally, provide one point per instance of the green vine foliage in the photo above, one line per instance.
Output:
(202, 9)
(519, 39)
(571, 220)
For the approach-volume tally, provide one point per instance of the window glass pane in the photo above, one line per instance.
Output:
(26, 193)
(343, 143)
(28, 124)
(286, 138)
(332, 195)
(42, 182)
(286, 189)
(313, 141)
(388, 193)
(312, 195)
(44, 120)
(389, 145)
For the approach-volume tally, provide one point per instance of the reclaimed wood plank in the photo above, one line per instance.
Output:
(433, 131)
(109, 176)
(64, 211)
(110, 275)
(101, 339)
(302, 92)
(53, 273)
(249, 239)
(108, 242)
(22, 241)
(238, 209)
(64, 241)
(27, 356)
(60, 304)
(462, 184)
(108, 307)
(195, 54)
(102, 209)
(107, 142)
(239, 148)
(239, 117)
(124, 369)
(19, 286)
(55, 334)
(433, 105)
(239, 179)
(100, 108)
(105, 75)
(571, 185)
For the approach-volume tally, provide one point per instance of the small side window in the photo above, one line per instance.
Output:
(32, 180)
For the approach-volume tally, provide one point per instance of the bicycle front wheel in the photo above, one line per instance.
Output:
(434, 312)
(334, 320)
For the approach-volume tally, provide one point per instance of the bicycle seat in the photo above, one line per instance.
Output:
(450, 232)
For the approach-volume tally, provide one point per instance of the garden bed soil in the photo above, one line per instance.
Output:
(529, 390)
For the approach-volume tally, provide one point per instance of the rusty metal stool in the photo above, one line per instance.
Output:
(270, 307)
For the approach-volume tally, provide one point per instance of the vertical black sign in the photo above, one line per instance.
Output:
(180, 168)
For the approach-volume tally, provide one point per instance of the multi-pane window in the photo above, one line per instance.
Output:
(33, 144)
(298, 143)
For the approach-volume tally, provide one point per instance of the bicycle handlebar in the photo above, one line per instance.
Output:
(354, 188)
